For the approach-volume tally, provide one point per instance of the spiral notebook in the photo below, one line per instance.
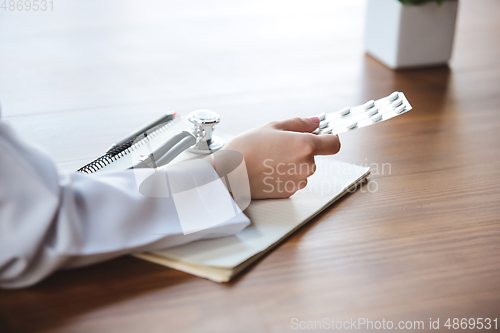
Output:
(122, 159)
(272, 220)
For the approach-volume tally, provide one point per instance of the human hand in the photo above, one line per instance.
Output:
(279, 156)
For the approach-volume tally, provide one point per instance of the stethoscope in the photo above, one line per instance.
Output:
(198, 140)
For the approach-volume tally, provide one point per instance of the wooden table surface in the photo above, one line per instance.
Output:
(420, 241)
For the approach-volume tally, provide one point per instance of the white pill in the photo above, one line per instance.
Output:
(376, 118)
(400, 109)
(369, 104)
(323, 124)
(351, 125)
(326, 131)
(372, 111)
(396, 103)
(321, 116)
(345, 111)
(393, 96)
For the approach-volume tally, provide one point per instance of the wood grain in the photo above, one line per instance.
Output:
(423, 245)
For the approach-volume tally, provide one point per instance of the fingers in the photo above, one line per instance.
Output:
(326, 144)
(317, 144)
(298, 124)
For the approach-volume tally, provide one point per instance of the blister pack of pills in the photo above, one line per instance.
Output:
(372, 112)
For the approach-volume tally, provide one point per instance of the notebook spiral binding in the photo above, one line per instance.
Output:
(107, 159)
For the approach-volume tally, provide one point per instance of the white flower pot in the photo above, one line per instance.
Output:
(410, 35)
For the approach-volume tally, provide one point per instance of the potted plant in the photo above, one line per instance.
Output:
(410, 33)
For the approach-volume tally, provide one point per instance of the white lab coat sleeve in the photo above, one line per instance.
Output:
(50, 221)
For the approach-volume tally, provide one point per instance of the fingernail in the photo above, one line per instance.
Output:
(314, 119)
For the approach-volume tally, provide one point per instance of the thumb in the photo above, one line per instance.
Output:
(298, 124)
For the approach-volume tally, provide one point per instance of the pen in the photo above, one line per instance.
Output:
(139, 134)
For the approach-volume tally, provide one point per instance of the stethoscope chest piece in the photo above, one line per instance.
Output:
(204, 122)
